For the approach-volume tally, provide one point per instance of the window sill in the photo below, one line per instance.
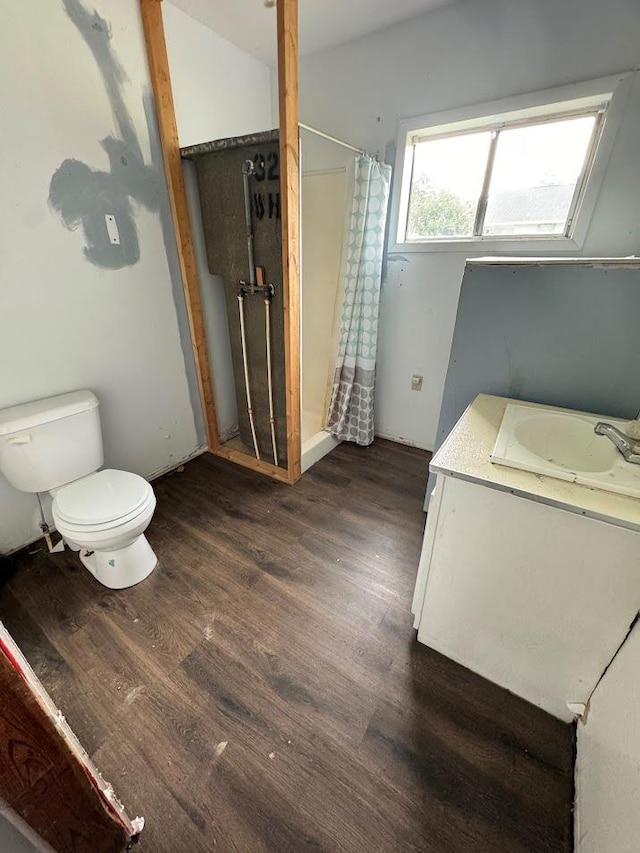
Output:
(482, 245)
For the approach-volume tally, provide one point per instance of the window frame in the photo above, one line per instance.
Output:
(604, 97)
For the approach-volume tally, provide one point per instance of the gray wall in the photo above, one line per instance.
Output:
(73, 315)
(466, 53)
(565, 335)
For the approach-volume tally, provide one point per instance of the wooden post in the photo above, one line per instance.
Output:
(290, 206)
(46, 776)
(289, 188)
(151, 12)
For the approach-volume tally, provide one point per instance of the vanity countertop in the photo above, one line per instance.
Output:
(465, 454)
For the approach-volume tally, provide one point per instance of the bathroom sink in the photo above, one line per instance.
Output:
(561, 443)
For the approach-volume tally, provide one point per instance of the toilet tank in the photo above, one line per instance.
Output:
(48, 443)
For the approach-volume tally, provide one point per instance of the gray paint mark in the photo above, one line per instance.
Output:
(173, 260)
(82, 195)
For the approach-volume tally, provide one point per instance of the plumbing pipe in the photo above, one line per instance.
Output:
(243, 340)
(248, 168)
(268, 291)
(46, 531)
(267, 323)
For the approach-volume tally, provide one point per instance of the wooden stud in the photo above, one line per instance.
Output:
(290, 206)
(247, 461)
(151, 12)
(289, 159)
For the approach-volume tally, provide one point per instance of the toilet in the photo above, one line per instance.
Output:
(55, 445)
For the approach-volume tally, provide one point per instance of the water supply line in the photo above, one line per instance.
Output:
(46, 531)
(268, 290)
(248, 169)
(272, 421)
(243, 341)
(256, 284)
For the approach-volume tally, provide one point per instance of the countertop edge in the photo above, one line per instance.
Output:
(465, 455)
(530, 496)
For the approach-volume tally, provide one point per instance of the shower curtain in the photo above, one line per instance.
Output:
(352, 397)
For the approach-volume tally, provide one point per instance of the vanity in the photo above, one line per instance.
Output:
(530, 567)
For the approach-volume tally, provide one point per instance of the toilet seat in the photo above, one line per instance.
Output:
(103, 501)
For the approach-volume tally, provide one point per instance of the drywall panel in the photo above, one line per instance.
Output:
(468, 53)
(561, 335)
(214, 308)
(77, 312)
(218, 89)
(608, 760)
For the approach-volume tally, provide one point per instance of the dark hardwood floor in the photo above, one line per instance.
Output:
(263, 690)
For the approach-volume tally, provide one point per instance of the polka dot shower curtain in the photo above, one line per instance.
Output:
(352, 398)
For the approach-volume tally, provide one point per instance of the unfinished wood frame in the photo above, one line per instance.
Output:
(287, 10)
(46, 777)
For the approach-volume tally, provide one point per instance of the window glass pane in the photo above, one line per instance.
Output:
(534, 178)
(446, 186)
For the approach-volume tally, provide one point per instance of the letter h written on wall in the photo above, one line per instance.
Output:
(266, 201)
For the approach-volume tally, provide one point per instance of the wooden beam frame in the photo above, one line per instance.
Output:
(151, 12)
(290, 206)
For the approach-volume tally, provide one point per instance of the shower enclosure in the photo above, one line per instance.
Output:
(325, 196)
(238, 193)
(265, 347)
(238, 248)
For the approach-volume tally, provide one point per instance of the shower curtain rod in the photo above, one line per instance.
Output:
(334, 139)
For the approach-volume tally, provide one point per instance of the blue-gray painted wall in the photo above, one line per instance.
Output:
(564, 335)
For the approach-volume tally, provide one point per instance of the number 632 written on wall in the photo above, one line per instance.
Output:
(266, 168)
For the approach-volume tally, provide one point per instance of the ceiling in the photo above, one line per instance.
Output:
(323, 23)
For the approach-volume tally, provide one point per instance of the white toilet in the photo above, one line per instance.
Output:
(55, 445)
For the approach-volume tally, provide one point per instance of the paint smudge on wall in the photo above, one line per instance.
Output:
(82, 195)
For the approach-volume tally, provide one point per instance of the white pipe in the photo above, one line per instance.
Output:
(267, 322)
(243, 340)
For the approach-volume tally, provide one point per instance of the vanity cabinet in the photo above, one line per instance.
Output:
(530, 592)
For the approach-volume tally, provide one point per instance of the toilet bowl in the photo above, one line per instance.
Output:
(104, 516)
(55, 445)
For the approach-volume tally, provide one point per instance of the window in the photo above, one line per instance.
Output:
(509, 175)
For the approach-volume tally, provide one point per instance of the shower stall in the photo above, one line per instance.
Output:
(326, 179)
(234, 190)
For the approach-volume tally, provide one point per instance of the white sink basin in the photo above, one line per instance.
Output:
(562, 444)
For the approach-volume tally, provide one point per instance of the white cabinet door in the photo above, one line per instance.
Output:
(533, 598)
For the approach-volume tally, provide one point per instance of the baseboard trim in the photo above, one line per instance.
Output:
(398, 439)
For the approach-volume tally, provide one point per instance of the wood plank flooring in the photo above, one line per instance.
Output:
(263, 690)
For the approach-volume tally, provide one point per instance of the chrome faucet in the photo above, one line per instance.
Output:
(628, 446)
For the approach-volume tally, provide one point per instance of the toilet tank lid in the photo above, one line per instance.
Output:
(29, 415)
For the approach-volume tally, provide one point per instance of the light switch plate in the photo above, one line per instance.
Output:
(112, 229)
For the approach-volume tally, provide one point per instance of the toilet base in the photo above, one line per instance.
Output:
(120, 569)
